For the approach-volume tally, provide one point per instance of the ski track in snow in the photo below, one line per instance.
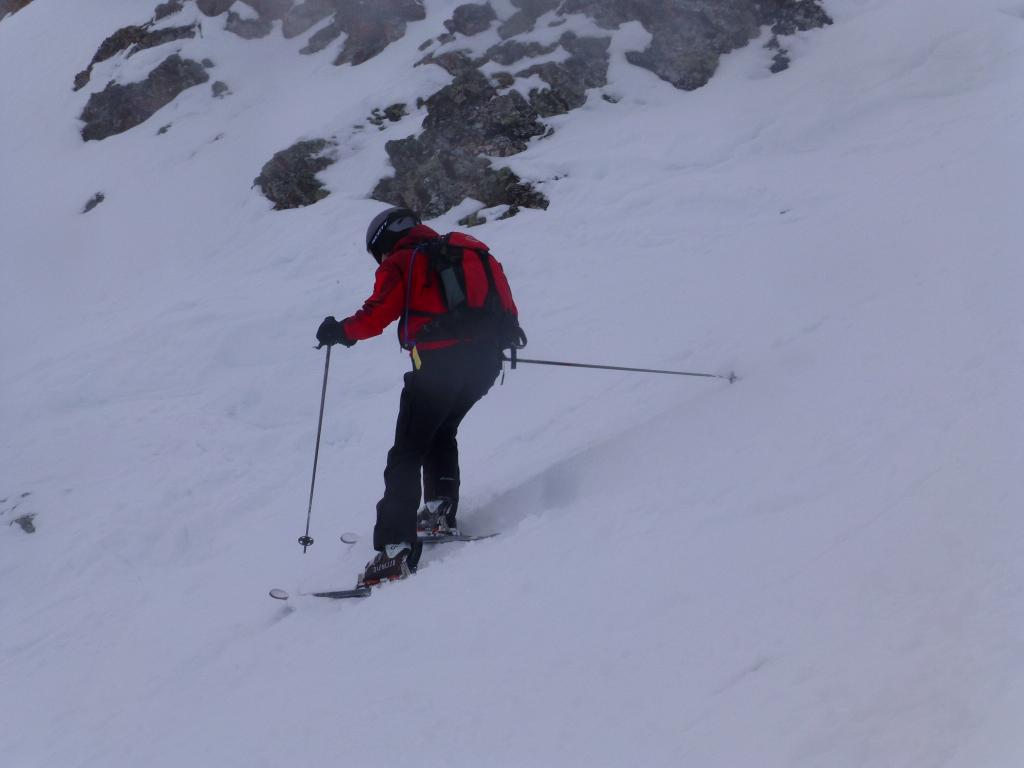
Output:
(818, 565)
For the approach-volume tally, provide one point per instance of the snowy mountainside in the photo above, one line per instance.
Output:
(815, 566)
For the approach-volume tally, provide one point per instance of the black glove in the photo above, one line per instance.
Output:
(332, 332)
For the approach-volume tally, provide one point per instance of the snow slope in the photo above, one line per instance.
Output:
(816, 566)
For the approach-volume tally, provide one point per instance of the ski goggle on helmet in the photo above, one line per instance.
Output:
(388, 228)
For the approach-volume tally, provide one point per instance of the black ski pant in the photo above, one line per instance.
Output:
(435, 400)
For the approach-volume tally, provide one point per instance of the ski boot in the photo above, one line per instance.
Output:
(395, 562)
(435, 520)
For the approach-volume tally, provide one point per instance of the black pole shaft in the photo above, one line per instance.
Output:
(305, 541)
(731, 377)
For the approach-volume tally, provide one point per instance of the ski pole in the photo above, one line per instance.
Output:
(731, 377)
(307, 541)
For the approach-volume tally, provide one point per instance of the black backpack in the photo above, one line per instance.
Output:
(476, 293)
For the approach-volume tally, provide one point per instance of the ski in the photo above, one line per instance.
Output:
(338, 594)
(444, 538)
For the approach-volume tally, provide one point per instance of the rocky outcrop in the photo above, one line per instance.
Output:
(95, 200)
(12, 6)
(690, 36)
(118, 108)
(289, 179)
(133, 39)
(787, 17)
(476, 118)
(471, 19)
(444, 165)
(214, 7)
(248, 29)
(169, 8)
(524, 20)
(370, 26)
(568, 81)
(25, 522)
(391, 114)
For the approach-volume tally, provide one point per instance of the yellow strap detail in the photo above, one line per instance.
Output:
(416, 362)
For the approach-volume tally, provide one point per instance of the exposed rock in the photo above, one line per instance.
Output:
(433, 184)
(220, 89)
(117, 108)
(267, 12)
(512, 51)
(391, 114)
(525, 19)
(568, 81)
(25, 522)
(207, 63)
(689, 36)
(289, 178)
(95, 200)
(169, 8)
(503, 79)
(452, 62)
(369, 26)
(12, 6)
(780, 61)
(372, 25)
(442, 166)
(305, 16)
(164, 129)
(248, 29)
(322, 38)
(132, 39)
(270, 9)
(788, 17)
(214, 7)
(471, 115)
(471, 19)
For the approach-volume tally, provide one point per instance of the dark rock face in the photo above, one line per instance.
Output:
(289, 178)
(95, 200)
(214, 7)
(117, 108)
(525, 19)
(471, 19)
(442, 166)
(219, 89)
(26, 523)
(689, 36)
(512, 51)
(12, 6)
(390, 114)
(268, 11)
(169, 8)
(249, 29)
(471, 115)
(370, 25)
(787, 17)
(568, 81)
(132, 39)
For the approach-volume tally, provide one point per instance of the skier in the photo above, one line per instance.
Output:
(456, 314)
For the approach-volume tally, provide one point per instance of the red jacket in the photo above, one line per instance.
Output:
(407, 289)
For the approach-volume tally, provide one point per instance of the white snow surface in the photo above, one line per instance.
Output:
(819, 565)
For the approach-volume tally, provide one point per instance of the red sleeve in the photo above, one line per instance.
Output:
(382, 308)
